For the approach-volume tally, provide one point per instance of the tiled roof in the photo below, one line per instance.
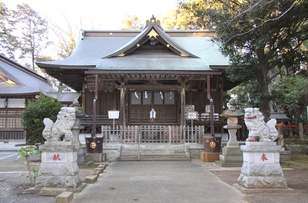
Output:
(27, 82)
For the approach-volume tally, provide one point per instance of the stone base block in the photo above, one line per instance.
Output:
(91, 179)
(285, 156)
(52, 191)
(99, 170)
(261, 167)
(97, 157)
(65, 197)
(228, 164)
(262, 182)
(232, 151)
(58, 181)
(77, 189)
(202, 156)
(211, 157)
(253, 191)
(103, 166)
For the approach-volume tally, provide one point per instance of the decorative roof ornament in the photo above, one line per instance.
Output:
(153, 21)
(153, 33)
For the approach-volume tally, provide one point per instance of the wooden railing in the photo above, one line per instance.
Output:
(12, 135)
(153, 134)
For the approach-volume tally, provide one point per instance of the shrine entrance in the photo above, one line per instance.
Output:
(164, 104)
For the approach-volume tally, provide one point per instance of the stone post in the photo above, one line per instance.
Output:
(231, 154)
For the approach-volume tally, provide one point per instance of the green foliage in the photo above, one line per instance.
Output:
(290, 95)
(25, 152)
(263, 39)
(131, 22)
(190, 15)
(35, 112)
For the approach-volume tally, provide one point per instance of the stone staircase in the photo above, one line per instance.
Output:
(154, 152)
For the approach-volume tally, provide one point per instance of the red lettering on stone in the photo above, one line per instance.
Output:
(56, 157)
(263, 157)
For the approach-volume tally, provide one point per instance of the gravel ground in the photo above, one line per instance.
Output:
(296, 180)
(13, 186)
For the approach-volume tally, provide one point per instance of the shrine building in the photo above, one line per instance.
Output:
(156, 82)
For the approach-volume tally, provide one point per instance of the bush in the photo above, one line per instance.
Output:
(35, 112)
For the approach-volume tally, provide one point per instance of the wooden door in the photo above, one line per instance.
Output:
(163, 103)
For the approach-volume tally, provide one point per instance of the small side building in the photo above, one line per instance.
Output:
(18, 86)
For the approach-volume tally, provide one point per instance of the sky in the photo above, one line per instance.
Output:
(91, 14)
(95, 14)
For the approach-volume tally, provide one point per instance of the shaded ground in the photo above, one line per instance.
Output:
(12, 186)
(296, 177)
(14, 182)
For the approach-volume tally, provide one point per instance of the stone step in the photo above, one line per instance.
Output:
(153, 152)
(152, 146)
(158, 157)
(149, 152)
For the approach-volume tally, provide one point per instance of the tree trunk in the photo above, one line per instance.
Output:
(264, 100)
(30, 176)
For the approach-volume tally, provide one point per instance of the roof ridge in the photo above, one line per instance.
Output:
(137, 41)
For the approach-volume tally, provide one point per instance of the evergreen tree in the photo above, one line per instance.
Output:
(34, 114)
(263, 39)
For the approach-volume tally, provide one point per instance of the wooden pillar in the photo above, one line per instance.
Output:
(94, 107)
(122, 105)
(211, 105)
(83, 98)
(183, 102)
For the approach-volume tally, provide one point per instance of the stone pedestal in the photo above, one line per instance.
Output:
(58, 165)
(261, 166)
(97, 157)
(83, 158)
(232, 155)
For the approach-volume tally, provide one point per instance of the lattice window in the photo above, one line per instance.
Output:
(11, 122)
(169, 98)
(147, 98)
(135, 98)
(158, 97)
(11, 112)
(2, 122)
(11, 118)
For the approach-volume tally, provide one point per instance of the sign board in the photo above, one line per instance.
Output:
(193, 115)
(190, 108)
(113, 114)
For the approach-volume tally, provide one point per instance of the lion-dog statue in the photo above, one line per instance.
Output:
(65, 121)
(258, 129)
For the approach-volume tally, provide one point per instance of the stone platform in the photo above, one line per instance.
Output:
(261, 166)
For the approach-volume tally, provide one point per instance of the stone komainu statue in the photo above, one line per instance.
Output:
(65, 121)
(258, 129)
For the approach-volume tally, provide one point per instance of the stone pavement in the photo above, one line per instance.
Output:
(158, 181)
(10, 147)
